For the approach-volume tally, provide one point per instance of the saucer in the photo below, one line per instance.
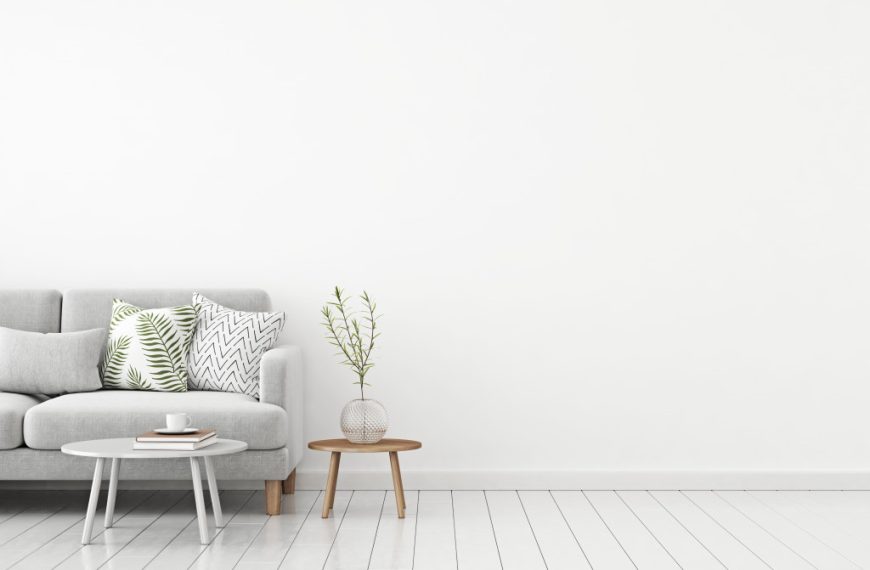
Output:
(167, 431)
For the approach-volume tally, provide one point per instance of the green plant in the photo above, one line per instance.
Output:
(344, 331)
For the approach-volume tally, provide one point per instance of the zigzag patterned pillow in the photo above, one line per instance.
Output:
(227, 347)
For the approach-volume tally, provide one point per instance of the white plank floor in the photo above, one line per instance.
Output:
(477, 530)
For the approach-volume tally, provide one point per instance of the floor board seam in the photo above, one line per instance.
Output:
(170, 541)
(835, 524)
(692, 534)
(455, 541)
(712, 518)
(416, 526)
(531, 528)
(338, 530)
(766, 530)
(377, 527)
(157, 518)
(77, 521)
(301, 526)
(571, 530)
(492, 526)
(46, 517)
(221, 529)
(610, 530)
(654, 537)
(805, 530)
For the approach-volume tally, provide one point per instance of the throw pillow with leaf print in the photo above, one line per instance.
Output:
(147, 348)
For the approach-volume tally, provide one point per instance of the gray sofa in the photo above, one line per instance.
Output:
(33, 428)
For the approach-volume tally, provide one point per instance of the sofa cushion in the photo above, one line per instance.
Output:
(12, 410)
(121, 413)
(36, 310)
(227, 347)
(147, 348)
(50, 363)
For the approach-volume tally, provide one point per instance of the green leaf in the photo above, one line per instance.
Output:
(185, 317)
(135, 380)
(113, 362)
(120, 311)
(163, 349)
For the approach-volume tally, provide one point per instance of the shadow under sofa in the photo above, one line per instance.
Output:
(33, 428)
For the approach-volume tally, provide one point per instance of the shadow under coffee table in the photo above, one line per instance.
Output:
(118, 449)
(339, 446)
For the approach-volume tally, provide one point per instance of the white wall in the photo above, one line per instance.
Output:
(622, 236)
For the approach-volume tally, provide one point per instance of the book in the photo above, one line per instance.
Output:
(195, 437)
(172, 446)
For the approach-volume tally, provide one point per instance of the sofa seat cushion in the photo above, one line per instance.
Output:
(12, 410)
(121, 413)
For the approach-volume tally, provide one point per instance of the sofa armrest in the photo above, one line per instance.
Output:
(281, 384)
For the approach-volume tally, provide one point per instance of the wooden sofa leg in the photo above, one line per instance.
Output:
(290, 483)
(273, 497)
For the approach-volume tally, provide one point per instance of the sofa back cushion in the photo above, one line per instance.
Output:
(92, 308)
(35, 310)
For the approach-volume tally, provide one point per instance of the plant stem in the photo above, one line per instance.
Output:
(345, 332)
(372, 335)
(341, 310)
(331, 326)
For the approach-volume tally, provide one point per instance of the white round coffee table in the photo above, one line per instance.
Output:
(122, 448)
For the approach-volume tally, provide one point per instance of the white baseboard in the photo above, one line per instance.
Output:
(822, 480)
(597, 479)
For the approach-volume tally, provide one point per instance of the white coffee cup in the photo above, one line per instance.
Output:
(177, 422)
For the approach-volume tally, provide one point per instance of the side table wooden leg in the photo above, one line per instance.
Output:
(200, 502)
(92, 502)
(397, 484)
(331, 481)
(213, 491)
(334, 479)
(113, 492)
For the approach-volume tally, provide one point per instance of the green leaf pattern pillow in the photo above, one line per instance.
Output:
(147, 348)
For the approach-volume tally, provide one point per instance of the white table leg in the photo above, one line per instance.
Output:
(213, 489)
(200, 503)
(113, 492)
(92, 502)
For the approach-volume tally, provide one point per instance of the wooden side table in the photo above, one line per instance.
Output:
(339, 446)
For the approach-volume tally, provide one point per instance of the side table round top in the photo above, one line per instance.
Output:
(344, 446)
(122, 448)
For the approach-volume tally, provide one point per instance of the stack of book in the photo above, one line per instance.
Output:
(176, 442)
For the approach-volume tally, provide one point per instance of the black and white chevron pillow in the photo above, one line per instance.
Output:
(227, 347)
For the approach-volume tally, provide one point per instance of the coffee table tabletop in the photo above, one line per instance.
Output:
(122, 448)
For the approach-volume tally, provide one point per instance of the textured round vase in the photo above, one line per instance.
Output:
(364, 421)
